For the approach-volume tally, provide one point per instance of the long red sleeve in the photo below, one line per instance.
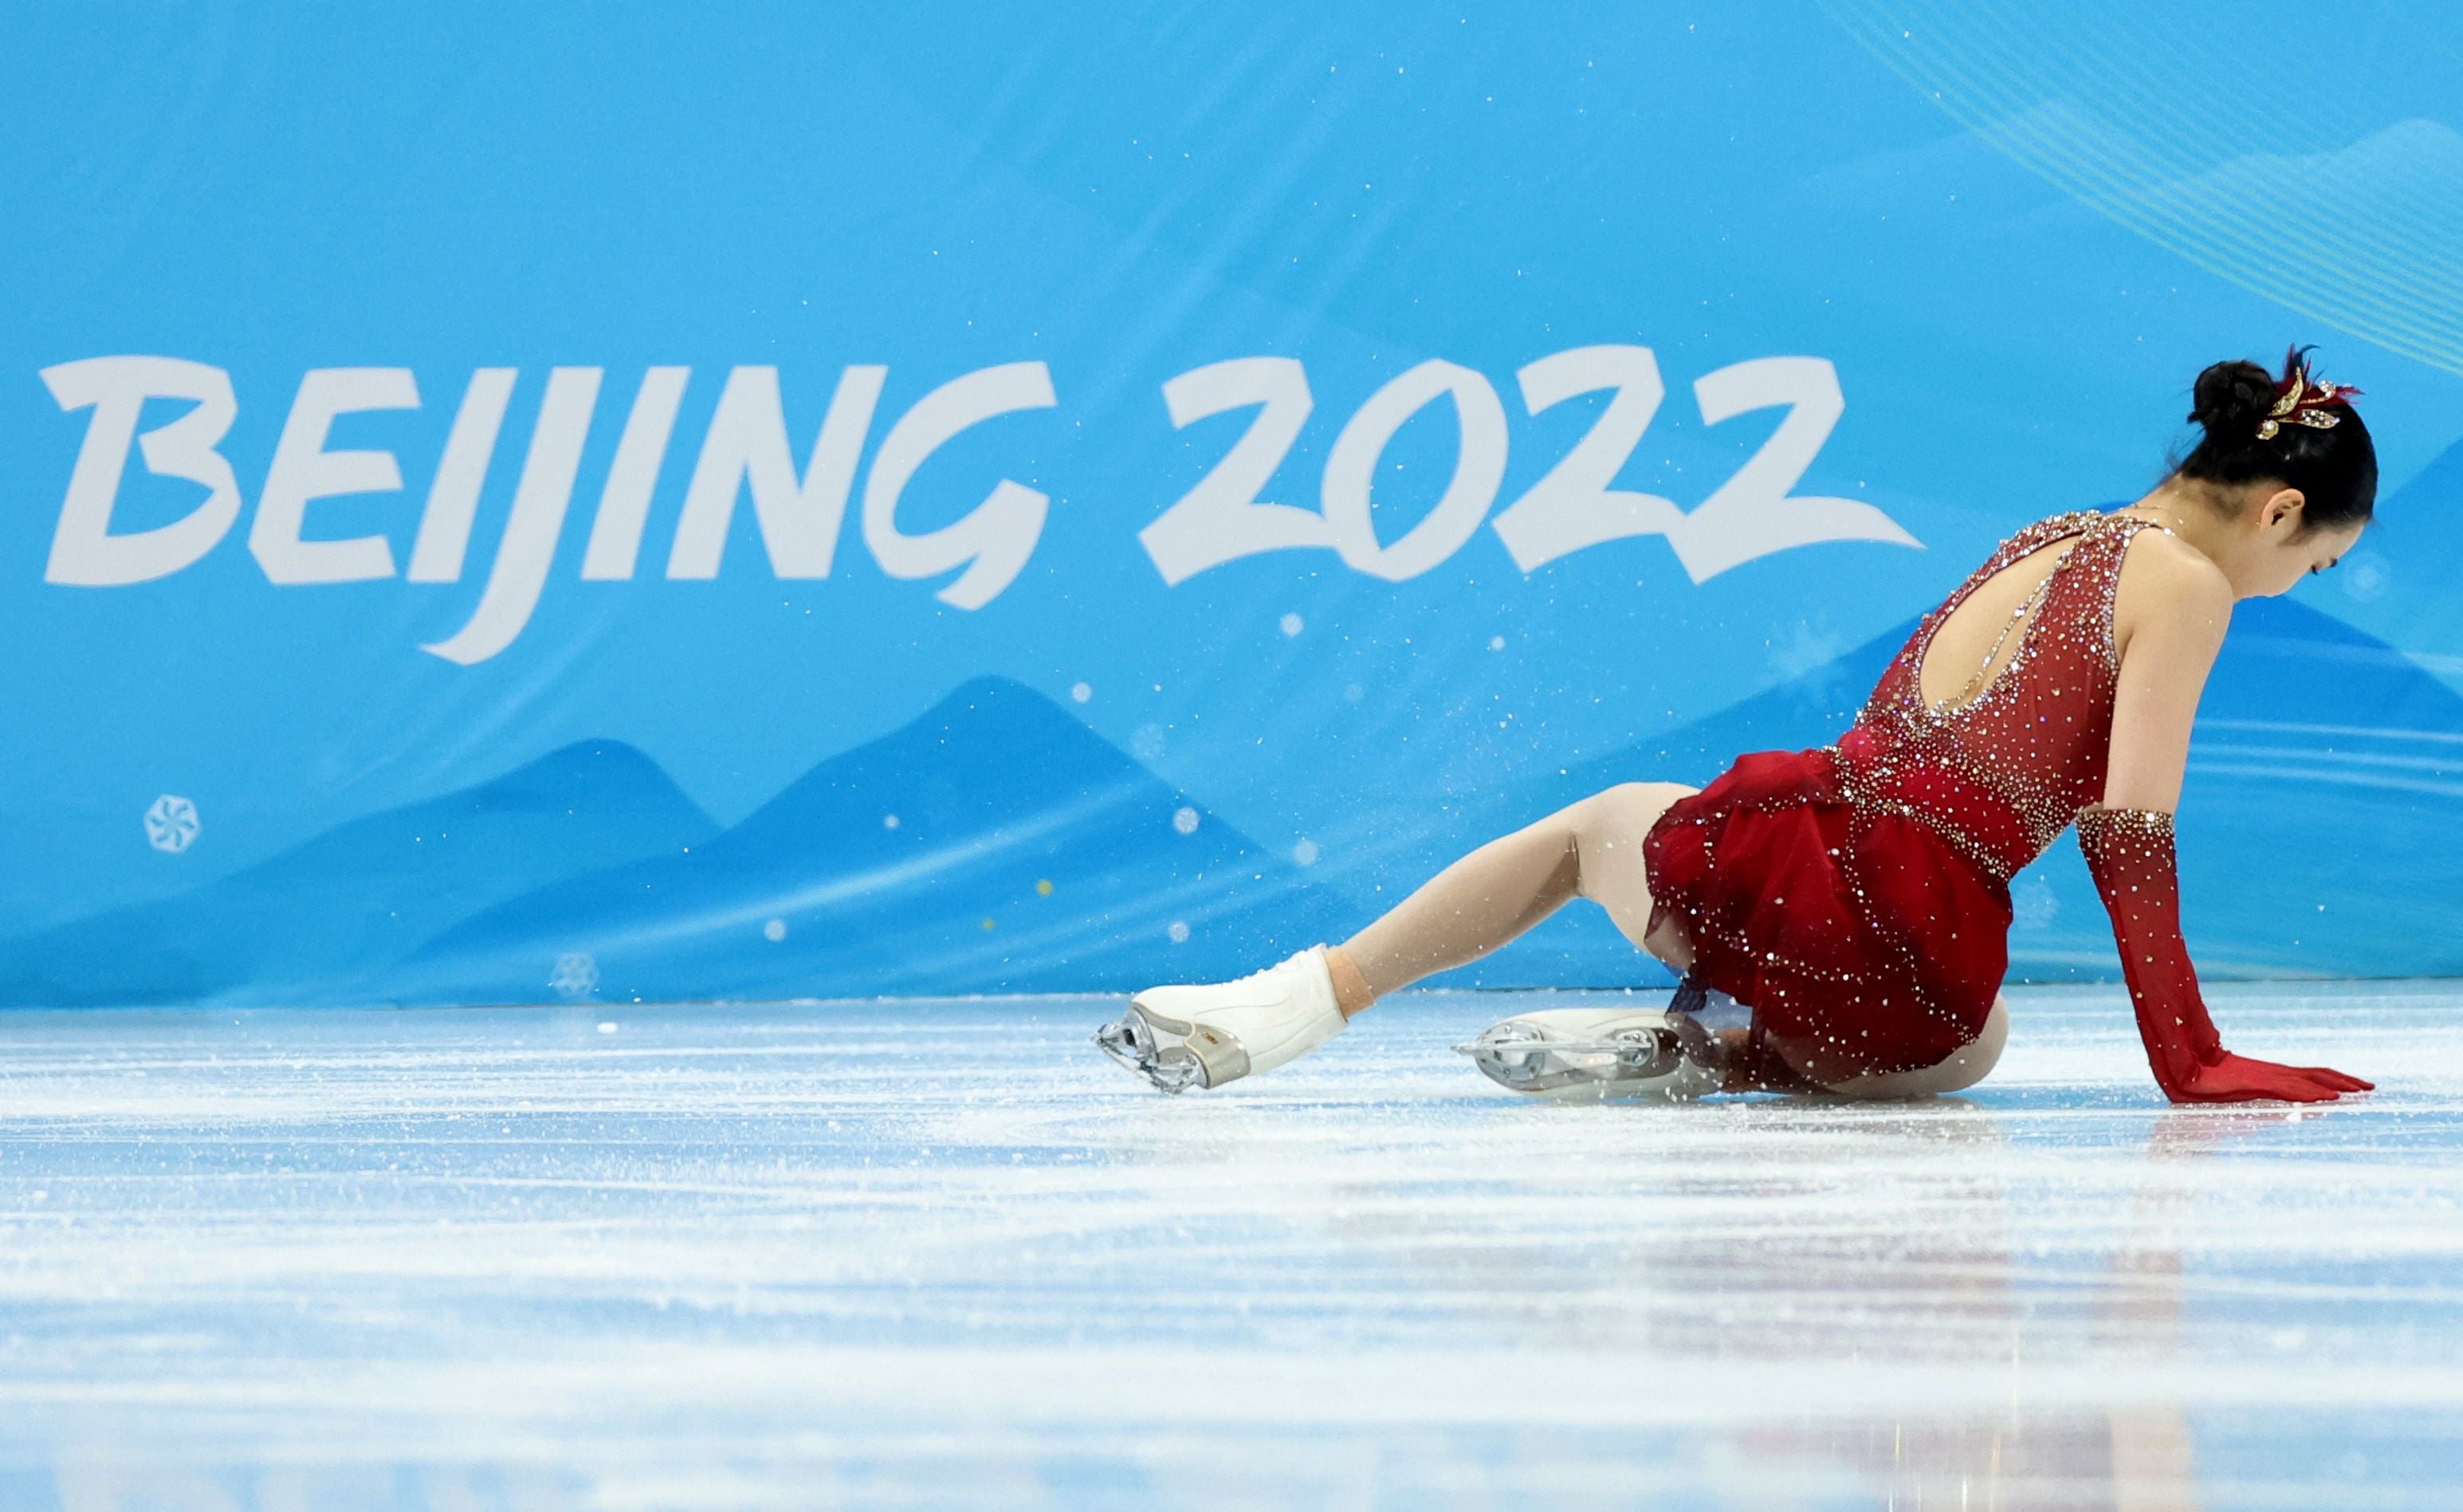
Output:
(2129, 851)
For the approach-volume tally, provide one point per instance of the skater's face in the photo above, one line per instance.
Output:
(2275, 549)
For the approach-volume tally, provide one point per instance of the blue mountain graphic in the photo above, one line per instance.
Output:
(2431, 495)
(323, 921)
(994, 843)
(2413, 559)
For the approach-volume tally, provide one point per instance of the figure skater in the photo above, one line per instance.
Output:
(1854, 899)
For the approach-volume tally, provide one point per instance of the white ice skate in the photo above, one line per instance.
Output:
(1592, 1054)
(1203, 1036)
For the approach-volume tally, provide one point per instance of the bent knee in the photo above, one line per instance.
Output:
(1657, 795)
(1627, 810)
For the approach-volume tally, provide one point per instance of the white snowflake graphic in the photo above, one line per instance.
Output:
(576, 975)
(171, 824)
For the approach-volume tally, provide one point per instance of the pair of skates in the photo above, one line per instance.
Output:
(1180, 1038)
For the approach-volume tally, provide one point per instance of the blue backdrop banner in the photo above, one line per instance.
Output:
(694, 502)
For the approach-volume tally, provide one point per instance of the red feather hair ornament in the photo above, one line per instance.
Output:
(2302, 399)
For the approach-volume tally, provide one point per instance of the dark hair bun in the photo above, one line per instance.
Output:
(2334, 465)
(2230, 401)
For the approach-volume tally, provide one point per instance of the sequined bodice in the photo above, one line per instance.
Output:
(2001, 775)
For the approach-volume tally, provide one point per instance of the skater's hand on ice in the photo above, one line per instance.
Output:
(2238, 1079)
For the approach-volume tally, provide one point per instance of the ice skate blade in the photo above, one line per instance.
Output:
(1643, 1065)
(1568, 1046)
(1173, 1056)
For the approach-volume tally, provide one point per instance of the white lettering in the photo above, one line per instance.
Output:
(1222, 519)
(624, 502)
(997, 536)
(1753, 514)
(746, 446)
(454, 496)
(303, 471)
(1479, 467)
(84, 552)
(539, 503)
(1572, 507)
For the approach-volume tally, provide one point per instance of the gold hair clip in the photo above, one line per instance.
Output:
(2300, 401)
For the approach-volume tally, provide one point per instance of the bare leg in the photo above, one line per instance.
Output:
(1766, 1070)
(1591, 849)
(1966, 1066)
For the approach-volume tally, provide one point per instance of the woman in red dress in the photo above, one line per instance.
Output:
(1854, 899)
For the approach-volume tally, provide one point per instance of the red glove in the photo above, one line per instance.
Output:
(2129, 851)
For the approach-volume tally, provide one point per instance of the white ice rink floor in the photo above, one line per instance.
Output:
(943, 1253)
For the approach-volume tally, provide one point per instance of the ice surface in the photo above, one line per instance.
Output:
(936, 1252)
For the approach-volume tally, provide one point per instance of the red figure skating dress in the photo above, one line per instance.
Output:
(1857, 896)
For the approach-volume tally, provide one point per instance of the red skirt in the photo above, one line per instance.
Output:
(1862, 940)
